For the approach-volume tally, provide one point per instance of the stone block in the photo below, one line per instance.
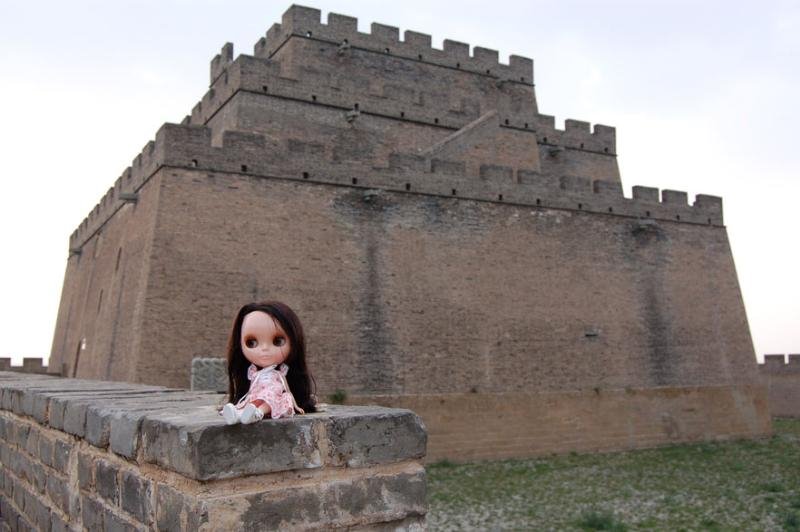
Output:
(114, 523)
(69, 413)
(124, 429)
(91, 514)
(61, 450)
(45, 450)
(118, 423)
(106, 480)
(21, 435)
(372, 435)
(209, 374)
(58, 492)
(32, 443)
(85, 471)
(136, 495)
(174, 511)
(192, 444)
(37, 512)
(362, 501)
(57, 524)
(39, 475)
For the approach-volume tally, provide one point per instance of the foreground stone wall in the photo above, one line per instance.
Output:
(95, 455)
(782, 379)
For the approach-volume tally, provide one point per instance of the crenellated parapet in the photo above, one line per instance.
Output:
(416, 103)
(191, 147)
(780, 365)
(124, 191)
(305, 22)
(576, 135)
(29, 365)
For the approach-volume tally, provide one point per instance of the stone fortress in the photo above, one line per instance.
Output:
(448, 248)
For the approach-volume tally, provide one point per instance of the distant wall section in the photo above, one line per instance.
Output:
(781, 375)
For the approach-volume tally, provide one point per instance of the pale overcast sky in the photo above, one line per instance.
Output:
(703, 96)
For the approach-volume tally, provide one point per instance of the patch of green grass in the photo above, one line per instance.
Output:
(750, 484)
(338, 397)
(772, 487)
(600, 520)
(442, 464)
(791, 522)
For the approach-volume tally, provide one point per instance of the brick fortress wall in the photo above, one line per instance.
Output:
(96, 455)
(781, 375)
(436, 234)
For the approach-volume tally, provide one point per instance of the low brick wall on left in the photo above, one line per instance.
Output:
(96, 455)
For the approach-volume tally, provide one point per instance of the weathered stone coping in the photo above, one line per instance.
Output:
(89, 454)
(182, 431)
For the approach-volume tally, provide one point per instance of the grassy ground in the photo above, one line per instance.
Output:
(742, 485)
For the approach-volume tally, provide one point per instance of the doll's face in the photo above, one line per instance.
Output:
(264, 342)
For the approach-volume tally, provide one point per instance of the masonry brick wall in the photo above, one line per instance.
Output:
(95, 455)
(781, 376)
(434, 231)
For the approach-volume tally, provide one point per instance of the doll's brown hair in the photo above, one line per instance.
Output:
(301, 382)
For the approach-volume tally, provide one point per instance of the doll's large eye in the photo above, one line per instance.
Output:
(279, 341)
(251, 343)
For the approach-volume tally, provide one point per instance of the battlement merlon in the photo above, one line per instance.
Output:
(300, 21)
(779, 365)
(220, 62)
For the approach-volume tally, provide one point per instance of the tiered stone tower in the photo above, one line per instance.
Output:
(447, 247)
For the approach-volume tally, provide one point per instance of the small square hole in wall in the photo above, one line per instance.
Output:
(453, 192)
(506, 121)
(265, 88)
(244, 168)
(308, 34)
(355, 106)
(408, 186)
(435, 120)
(305, 175)
(488, 71)
(526, 125)
(709, 221)
(522, 79)
(402, 114)
(605, 150)
(611, 209)
(419, 57)
(678, 217)
(581, 145)
(500, 197)
(313, 97)
(458, 65)
(544, 140)
(387, 50)
(538, 201)
(194, 163)
(647, 213)
(580, 205)
(355, 180)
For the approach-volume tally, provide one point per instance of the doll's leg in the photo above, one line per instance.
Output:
(255, 411)
(230, 414)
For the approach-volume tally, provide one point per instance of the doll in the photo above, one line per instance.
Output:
(267, 373)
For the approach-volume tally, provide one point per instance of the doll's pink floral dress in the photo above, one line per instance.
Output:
(269, 384)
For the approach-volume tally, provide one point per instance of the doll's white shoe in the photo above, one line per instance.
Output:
(230, 414)
(251, 414)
